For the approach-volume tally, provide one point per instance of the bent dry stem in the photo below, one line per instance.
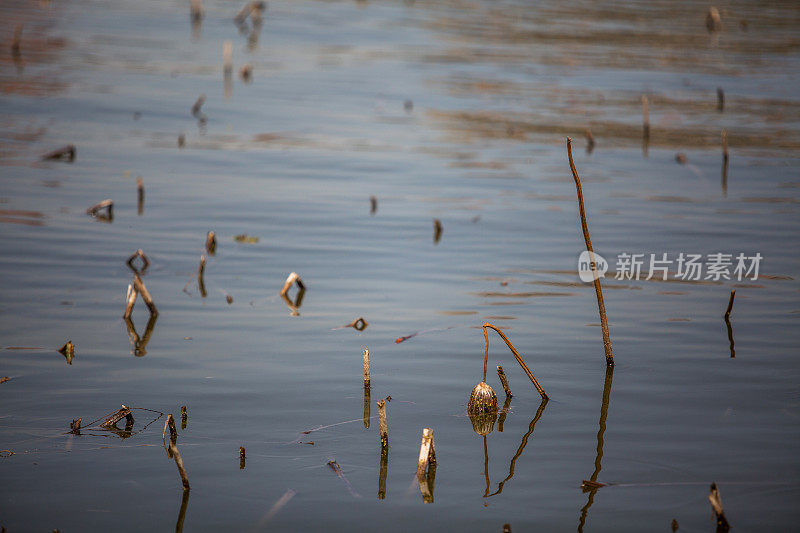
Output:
(598, 290)
(516, 355)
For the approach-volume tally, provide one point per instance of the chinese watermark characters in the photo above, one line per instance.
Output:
(681, 266)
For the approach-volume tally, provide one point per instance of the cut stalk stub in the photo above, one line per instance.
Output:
(211, 243)
(68, 351)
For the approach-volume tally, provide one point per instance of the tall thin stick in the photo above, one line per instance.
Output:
(179, 463)
(516, 355)
(597, 289)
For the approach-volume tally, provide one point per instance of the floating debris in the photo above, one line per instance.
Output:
(65, 153)
(437, 230)
(247, 239)
(246, 73)
(713, 20)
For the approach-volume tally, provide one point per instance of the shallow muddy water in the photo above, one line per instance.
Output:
(452, 110)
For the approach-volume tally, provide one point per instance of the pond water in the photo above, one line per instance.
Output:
(452, 110)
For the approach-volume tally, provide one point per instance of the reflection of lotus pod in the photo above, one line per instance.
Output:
(483, 423)
(482, 400)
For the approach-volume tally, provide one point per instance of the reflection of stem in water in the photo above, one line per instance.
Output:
(139, 344)
(503, 413)
(298, 301)
(725, 163)
(730, 335)
(383, 474)
(728, 321)
(600, 435)
(367, 406)
(182, 512)
(486, 466)
(201, 270)
(521, 448)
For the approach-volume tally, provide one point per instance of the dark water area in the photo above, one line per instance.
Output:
(452, 110)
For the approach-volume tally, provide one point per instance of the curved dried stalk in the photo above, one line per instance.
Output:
(516, 355)
(598, 291)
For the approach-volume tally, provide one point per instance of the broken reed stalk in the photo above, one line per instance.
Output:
(196, 10)
(107, 204)
(437, 230)
(373, 205)
(589, 141)
(720, 99)
(517, 356)
(241, 17)
(645, 118)
(184, 417)
(139, 195)
(427, 453)
(198, 105)
(130, 300)
(123, 412)
(201, 270)
(382, 420)
(365, 356)
(211, 243)
(241, 458)
(730, 304)
(598, 290)
(138, 284)
(170, 424)
(68, 351)
(504, 381)
(145, 261)
(179, 463)
(293, 278)
(716, 504)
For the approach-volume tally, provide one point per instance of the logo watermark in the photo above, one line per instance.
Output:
(591, 266)
(681, 266)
